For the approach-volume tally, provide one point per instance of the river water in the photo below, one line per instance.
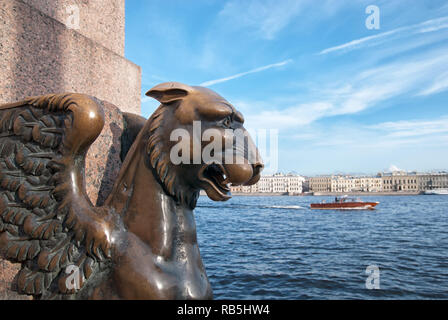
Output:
(277, 248)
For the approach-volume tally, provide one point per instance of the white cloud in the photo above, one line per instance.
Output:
(239, 75)
(353, 145)
(403, 129)
(385, 134)
(440, 84)
(291, 117)
(382, 143)
(424, 27)
(267, 17)
(394, 168)
(362, 91)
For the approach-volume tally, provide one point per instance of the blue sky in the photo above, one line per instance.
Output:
(344, 98)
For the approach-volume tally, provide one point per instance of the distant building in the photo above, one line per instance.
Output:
(244, 189)
(320, 184)
(278, 183)
(306, 185)
(414, 181)
(342, 184)
(400, 181)
(295, 184)
(387, 182)
(352, 184)
(430, 181)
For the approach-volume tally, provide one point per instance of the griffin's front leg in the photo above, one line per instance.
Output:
(139, 274)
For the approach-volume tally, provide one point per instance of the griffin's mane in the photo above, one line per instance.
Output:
(160, 161)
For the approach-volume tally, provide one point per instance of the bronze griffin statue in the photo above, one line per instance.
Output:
(142, 243)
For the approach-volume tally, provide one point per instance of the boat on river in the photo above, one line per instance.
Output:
(437, 192)
(345, 203)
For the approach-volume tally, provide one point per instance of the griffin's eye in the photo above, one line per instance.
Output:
(227, 122)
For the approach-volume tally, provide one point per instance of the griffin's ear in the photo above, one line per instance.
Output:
(169, 91)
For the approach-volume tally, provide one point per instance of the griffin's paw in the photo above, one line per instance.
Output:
(96, 232)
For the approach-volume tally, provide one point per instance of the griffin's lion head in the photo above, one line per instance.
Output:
(196, 140)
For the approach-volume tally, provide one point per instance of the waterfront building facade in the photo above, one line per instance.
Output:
(353, 184)
(342, 184)
(320, 184)
(398, 181)
(430, 181)
(278, 183)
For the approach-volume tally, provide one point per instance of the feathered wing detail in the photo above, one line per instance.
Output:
(47, 223)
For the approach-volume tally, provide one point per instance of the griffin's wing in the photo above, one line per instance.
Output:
(46, 220)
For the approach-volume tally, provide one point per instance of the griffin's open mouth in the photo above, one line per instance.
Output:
(217, 181)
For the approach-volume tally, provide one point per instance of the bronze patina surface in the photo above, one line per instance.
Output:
(141, 244)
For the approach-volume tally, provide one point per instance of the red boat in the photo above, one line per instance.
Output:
(345, 203)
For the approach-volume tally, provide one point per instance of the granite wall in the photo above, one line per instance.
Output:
(99, 20)
(40, 55)
(103, 161)
(7, 273)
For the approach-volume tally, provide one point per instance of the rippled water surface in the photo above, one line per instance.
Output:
(277, 248)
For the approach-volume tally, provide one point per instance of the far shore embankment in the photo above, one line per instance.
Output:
(328, 194)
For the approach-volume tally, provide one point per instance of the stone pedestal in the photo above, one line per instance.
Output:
(39, 54)
(103, 21)
(7, 273)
